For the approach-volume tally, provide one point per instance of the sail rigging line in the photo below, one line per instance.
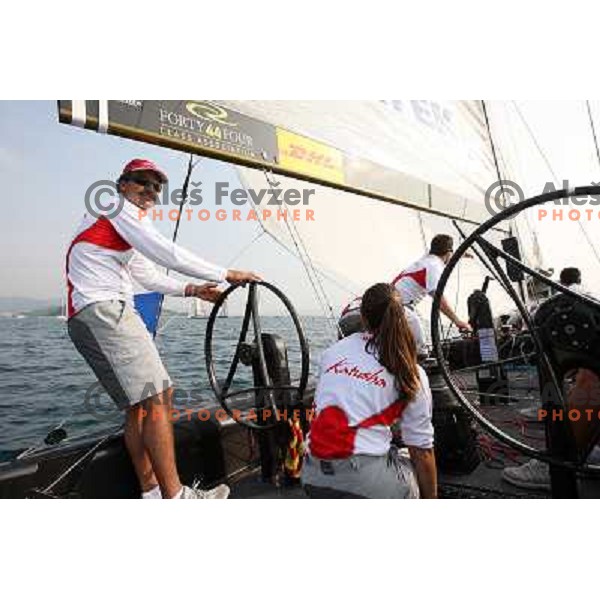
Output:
(524, 220)
(184, 196)
(324, 274)
(556, 180)
(535, 141)
(82, 459)
(494, 153)
(593, 127)
(328, 308)
(526, 289)
(311, 271)
(272, 236)
(501, 180)
(246, 247)
(531, 230)
(327, 276)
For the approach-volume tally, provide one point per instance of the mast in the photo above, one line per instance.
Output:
(501, 180)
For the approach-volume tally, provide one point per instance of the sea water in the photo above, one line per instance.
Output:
(44, 381)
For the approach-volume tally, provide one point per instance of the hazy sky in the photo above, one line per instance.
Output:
(46, 168)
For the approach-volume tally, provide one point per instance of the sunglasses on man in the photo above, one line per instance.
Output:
(146, 183)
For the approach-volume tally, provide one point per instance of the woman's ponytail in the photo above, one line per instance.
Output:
(392, 340)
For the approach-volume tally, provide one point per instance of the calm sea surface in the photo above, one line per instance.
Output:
(43, 381)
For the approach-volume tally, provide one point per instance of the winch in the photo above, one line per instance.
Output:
(456, 447)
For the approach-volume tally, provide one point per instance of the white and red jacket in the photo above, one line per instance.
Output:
(419, 279)
(356, 403)
(106, 257)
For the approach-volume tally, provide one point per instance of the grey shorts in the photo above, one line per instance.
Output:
(362, 476)
(114, 341)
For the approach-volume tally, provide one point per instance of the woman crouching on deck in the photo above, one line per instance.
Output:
(368, 381)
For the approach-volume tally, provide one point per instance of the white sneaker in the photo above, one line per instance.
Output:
(153, 494)
(221, 492)
(533, 475)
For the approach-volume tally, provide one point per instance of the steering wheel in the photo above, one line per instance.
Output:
(269, 399)
(489, 254)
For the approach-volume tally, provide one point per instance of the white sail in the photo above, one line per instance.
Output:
(442, 144)
(356, 241)
(198, 309)
(550, 145)
(201, 309)
(441, 159)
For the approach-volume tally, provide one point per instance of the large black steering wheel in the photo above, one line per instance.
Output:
(269, 399)
(489, 254)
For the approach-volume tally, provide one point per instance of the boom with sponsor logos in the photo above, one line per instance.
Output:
(386, 175)
(383, 150)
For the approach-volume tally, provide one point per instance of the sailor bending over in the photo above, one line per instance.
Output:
(414, 283)
(103, 260)
(369, 381)
(583, 394)
(422, 278)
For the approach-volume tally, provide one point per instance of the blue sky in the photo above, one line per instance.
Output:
(46, 168)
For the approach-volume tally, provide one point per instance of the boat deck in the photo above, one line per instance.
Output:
(217, 451)
(484, 483)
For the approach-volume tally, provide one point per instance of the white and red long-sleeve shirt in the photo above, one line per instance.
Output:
(356, 403)
(419, 279)
(107, 258)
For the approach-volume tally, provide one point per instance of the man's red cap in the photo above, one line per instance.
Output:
(141, 164)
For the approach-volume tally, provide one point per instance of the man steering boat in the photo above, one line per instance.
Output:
(105, 257)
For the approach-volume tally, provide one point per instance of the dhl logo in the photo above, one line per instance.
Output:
(306, 156)
(316, 158)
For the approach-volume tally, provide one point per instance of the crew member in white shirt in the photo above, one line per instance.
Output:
(369, 381)
(105, 257)
(421, 279)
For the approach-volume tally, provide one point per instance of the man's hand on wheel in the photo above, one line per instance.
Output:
(234, 277)
(464, 327)
(207, 291)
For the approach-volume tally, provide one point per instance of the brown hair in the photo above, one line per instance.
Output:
(570, 276)
(392, 343)
(441, 244)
